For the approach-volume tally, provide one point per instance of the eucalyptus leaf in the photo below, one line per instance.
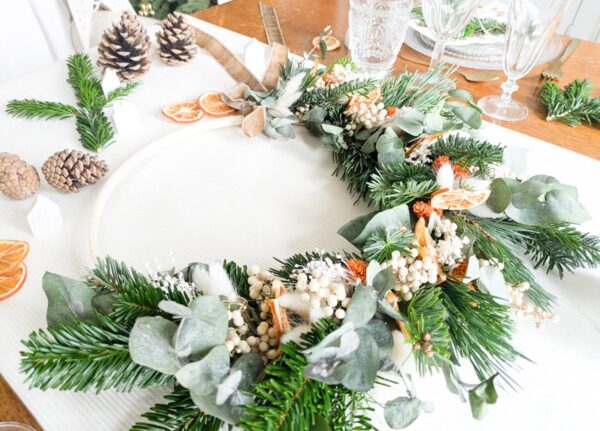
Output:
(104, 303)
(461, 94)
(481, 396)
(174, 308)
(529, 192)
(452, 382)
(384, 307)
(531, 216)
(362, 307)
(411, 122)
(399, 413)
(67, 299)
(251, 365)
(500, 196)
(227, 412)
(384, 281)
(363, 135)
(204, 329)
(434, 122)
(562, 205)
(150, 344)
(205, 375)
(373, 269)
(382, 336)
(369, 145)
(491, 281)
(351, 230)
(394, 217)
(228, 386)
(334, 130)
(315, 115)
(468, 115)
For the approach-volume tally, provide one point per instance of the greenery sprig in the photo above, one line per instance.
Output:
(475, 27)
(573, 105)
(94, 128)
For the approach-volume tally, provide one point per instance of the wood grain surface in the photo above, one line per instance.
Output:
(302, 20)
(12, 409)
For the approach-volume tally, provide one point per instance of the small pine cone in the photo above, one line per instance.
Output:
(125, 47)
(176, 40)
(18, 180)
(70, 170)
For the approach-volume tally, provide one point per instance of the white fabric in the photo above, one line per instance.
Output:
(251, 199)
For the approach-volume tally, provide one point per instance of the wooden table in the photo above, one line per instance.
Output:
(12, 409)
(302, 20)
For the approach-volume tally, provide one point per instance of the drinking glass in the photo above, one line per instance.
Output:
(445, 19)
(531, 24)
(15, 426)
(377, 29)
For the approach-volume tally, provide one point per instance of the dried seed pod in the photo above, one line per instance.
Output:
(18, 180)
(70, 170)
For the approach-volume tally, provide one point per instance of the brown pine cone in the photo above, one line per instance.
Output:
(176, 40)
(18, 180)
(70, 170)
(125, 47)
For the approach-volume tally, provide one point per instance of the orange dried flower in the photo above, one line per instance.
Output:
(327, 77)
(422, 209)
(461, 171)
(460, 269)
(357, 269)
(391, 111)
(441, 161)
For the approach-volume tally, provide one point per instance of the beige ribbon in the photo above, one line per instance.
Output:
(255, 116)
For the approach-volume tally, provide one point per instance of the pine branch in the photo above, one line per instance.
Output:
(82, 356)
(383, 243)
(400, 193)
(475, 27)
(30, 108)
(299, 260)
(134, 294)
(572, 106)
(325, 97)
(467, 151)
(355, 168)
(121, 92)
(179, 413)
(384, 182)
(481, 330)
(239, 277)
(495, 246)
(95, 130)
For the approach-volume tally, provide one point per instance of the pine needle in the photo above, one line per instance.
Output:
(572, 106)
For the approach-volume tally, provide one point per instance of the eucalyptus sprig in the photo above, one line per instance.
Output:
(92, 124)
(573, 105)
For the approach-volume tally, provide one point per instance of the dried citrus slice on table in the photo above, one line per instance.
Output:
(212, 103)
(12, 253)
(331, 42)
(12, 280)
(184, 112)
(459, 199)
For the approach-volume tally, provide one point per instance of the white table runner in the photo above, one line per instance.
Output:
(560, 392)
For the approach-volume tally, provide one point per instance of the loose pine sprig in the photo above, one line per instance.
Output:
(94, 129)
(481, 330)
(572, 106)
(467, 151)
(383, 243)
(179, 413)
(82, 356)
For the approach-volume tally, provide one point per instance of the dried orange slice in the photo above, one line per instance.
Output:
(12, 280)
(212, 103)
(459, 199)
(12, 253)
(331, 42)
(184, 112)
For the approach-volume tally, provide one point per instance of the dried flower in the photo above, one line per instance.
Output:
(357, 269)
(441, 161)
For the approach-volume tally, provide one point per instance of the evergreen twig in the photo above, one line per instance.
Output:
(572, 106)
(383, 243)
(468, 151)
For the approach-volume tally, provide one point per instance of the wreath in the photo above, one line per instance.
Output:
(435, 273)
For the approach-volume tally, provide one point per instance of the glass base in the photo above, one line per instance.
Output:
(497, 107)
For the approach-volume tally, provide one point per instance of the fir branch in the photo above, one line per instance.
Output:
(426, 314)
(30, 108)
(82, 356)
(94, 128)
(383, 243)
(326, 97)
(121, 92)
(134, 294)
(179, 413)
(493, 245)
(355, 168)
(481, 330)
(299, 260)
(400, 193)
(467, 151)
(572, 106)
(475, 27)
(384, 179)
(239, 277)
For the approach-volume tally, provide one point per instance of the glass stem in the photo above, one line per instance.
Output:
(508, 88)
(438, 52)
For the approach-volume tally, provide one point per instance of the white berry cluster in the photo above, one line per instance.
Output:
(322, 284)
(237, 333)
(339, 74)
(523, 308)
(366, 114)
(421, 154)
(448, 245)
(263, 285)
(411, 273)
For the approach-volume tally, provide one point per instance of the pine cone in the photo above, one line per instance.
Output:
(176, 40)
(18, 180)
(70, 170)
(125, 47)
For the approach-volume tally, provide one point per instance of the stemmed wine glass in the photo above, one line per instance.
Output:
(445, 19)
(531, 24)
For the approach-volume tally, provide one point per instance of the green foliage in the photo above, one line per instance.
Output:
(326, 97)
(94, 128)
(162, 8)
(384, 242)
(178, 413)
(400, 193)
(475, 27)
(481, 330)
(287, 401)
(133, 294)
(467, 151)
(355, 168)
(82, 356)
(238, 276)
(489, 243)
(299, 260)
(572, 106)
